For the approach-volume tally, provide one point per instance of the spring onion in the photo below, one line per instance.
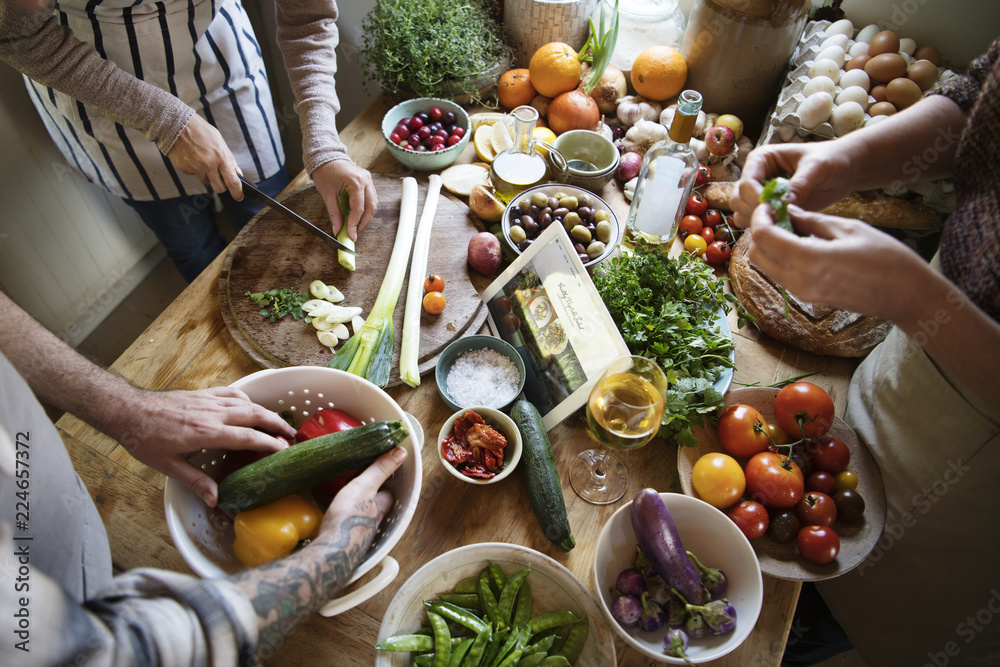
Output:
(346, 259)
(409, 353)
(368, 353)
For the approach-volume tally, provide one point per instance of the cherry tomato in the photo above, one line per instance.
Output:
(690, 224)
(816, 509)
(718, 479)
(784, 527)
(696, 204)
(712, 218)
(850, 505)
(433, 283)
(774, 480)
(695, 244)
(434, 302)
(750, 517)
(822, 482)
(704, 176)
(718, 253)
(818, 544)
(847, 480)
(806, 404)
(708, 234)
(829, 454)
(778, 437)
(742, 431)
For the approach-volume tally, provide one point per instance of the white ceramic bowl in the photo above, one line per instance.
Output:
(716, 541)
(205, 540)
(552, 587)
(502, 423)
(428, 160)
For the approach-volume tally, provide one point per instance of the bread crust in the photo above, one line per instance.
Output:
(881, 210)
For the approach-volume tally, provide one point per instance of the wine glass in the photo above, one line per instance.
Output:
(624, 412)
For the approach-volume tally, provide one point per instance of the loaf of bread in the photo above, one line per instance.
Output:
(810, 327)
(879, 209)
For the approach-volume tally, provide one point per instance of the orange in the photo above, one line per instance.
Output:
(554, 69)
(659, 73)
(514, 88)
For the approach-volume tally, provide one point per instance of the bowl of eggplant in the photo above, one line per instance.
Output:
(676, 579)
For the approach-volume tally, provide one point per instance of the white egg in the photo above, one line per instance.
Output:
(858, 49)
(834, 53)
(825, 67)
(874, 120)
(865, 34)
(841, 27)
(846, 118)
(835, 40)
(815, 109)
(821, 84)
(907, 45)
(908, 58)
(855, 77)
(855, 94)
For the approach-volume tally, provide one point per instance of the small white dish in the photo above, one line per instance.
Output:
(502, 423)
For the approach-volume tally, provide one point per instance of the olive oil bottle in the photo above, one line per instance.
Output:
(521, 166)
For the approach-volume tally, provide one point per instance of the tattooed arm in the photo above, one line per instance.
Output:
(287, 592)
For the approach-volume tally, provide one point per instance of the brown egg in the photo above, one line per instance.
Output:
(857, 62)
(878, 92)
(902, 92)
(884, 42)
(928, 53)
(881, 109)
(923, 73)
(885, 67)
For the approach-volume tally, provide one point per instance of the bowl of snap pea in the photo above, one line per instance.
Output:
(502, 601)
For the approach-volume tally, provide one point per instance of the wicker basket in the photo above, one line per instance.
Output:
(532, 23)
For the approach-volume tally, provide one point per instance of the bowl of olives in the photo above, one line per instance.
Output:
(588, 220)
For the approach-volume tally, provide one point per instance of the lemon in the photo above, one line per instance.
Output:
(502, 135)
(483, 141)
(543, 134)
(485, 118)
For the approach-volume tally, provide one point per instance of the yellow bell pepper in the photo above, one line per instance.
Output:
(271, 531)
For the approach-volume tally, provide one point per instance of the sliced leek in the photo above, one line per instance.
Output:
(409, 354)
(368, 353)
(346, 259)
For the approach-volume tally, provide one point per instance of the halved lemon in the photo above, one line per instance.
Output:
(483, 141)
(502, 134)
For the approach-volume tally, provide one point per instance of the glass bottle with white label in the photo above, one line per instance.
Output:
(666, 177)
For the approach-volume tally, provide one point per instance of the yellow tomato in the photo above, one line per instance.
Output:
(718, 480)
(695, 244)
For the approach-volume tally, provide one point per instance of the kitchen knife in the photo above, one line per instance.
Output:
(251, 190)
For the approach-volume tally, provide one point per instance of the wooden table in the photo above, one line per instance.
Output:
(189, 347)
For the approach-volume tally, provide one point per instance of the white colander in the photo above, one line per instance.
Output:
(205, 540)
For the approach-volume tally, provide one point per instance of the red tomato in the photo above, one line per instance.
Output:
(816, 509)
(712, 218)
(690, 224)
(330, 420)
(433, 283)
(704, 176)
(750, 517)
(774, 480)
(821, 481)
(818, 544)
(742, 431)
(696, 204)
(718, 253)
(806, 404)
(829, 454)
(708, 234)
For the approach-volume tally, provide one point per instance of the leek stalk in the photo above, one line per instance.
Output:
(346, 259)
(368, 353)
(409, 353)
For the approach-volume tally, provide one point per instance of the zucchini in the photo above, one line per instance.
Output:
(308, 464)
(538, 469)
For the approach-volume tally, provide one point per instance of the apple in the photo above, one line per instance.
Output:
(720, 140)
(732, 122)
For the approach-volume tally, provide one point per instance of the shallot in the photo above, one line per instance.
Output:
(484, 253)
(628, 168)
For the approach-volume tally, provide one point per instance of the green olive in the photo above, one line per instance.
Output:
(569, 202)
(517, 234)
(581, 234)
(604, 231)
(595, 249)
(585, 200)
(524, 205)
(539, 199)
(601, 214)
(571, 220)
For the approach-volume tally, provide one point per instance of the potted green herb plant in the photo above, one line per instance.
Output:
(453, 49)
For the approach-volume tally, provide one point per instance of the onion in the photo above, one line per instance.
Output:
(628, 168)
(611, 86)
(541, 104)
(574, 110)
(484, 253)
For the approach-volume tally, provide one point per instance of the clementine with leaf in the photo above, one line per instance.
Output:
(514, 88)
(555, 68)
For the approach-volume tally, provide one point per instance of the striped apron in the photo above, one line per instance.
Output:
(202, 51)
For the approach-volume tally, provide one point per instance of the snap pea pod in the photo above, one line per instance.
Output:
(475, 654)
(424, 660)
(575, 640)
(442, 640)
(554, 661)
(551, 619)
(458, 655)
(499, 639)
(466, 600)
(509, 593)
(456, 614)
(532, 660)
(522, 606)
(498, 576)
(467, 585)
(407, 643)
(541, 646)
(487, 601)
(515, 639)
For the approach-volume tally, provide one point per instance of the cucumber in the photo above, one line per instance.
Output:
(308, 464)
(538, 469)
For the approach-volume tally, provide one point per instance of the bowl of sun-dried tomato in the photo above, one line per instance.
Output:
(479, 445)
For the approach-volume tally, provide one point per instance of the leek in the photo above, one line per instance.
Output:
(368, 353)
(346, 259)
(409, 354)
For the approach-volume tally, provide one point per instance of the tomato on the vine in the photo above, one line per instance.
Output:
(718, 253)
(742, 431)
(703, 176)
(774, 480)
(750, 517)
(433, 283)
(696, 204)
(829, 454)
(690, 224)
(712, 218)
(708, 234)
(816, 509)
(718, 479)
(818, 544)
(695, 244)
(806, 404)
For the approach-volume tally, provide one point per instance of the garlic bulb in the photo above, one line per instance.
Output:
(628, 189)
(642, 135)
(700, 150)
(633, 108)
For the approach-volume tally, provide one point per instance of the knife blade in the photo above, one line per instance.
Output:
(251, 190)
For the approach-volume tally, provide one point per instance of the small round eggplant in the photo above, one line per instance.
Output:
(631, 582)
(627, 610)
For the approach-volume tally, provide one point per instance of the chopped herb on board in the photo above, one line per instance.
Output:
(666, 309)
(277, 303)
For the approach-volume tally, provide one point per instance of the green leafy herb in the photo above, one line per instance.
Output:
(667, 309)
(424, 47)
(776, 191)
(277, 303)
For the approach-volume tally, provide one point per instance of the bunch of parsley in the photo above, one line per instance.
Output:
(277, 303)
(667, 310)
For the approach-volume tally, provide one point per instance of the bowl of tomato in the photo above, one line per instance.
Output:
(426, 133)
(479, 445)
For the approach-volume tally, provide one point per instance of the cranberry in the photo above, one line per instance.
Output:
(415, 124)
(458, 131)
(435, 113)
(448, 118)
(453, 139)
(395, 138)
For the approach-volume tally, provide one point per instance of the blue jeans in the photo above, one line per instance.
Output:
(186, 227)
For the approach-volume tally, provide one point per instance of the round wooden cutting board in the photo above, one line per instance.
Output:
(272, 252)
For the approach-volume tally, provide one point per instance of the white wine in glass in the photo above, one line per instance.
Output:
(624, 412)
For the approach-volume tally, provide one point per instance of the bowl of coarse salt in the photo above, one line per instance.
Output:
(479, 371)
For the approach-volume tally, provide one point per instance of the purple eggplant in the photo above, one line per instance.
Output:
(716, 617)
(675, 643)
(627, 610)
(653, 617)
(631, 582)
(658, 539)
(713, 579)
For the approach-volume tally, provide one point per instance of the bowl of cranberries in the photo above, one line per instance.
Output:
(426, 133)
